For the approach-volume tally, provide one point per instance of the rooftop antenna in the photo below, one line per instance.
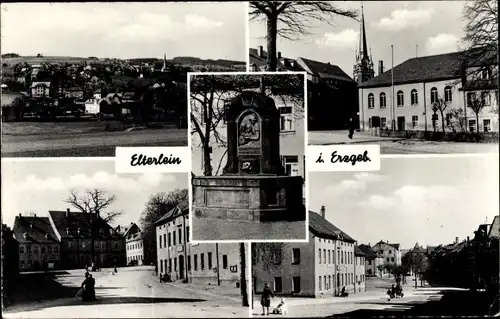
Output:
(416, 50)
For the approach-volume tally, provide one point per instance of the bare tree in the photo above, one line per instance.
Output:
(481, 35)
(457, 119)
(440, 105)
(477, 102)
(210, 93)
(93, 201)
(292, 20)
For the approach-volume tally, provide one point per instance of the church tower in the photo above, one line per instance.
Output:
(363, 69)
(164, 67)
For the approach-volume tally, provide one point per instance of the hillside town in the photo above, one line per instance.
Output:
(334, 275)
(450, 97)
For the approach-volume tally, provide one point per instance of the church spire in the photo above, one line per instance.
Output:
(363, 46)
(164, 67)
(363, 69)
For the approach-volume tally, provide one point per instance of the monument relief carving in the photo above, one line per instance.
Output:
(249, 134)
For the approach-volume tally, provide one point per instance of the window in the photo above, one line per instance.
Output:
(295, 284)
(319, 282)
(326, 282)
(383, 122)
(164, 240)
(28, 249)
(21, 249)
(392, 259)
(370, 122)
(471, 97)
(195, 261)
(414, 97)
(161, 266)
(159, 240)
(329, 256)
(341, 257)
(169, 240)
(169, 265)
(291, 165)
(390, 251)
(180, 236)
(187, 234)
(324, 256)
(487, 125)
(486, 98)
(278, 287)
(189, 262)
(434, 95)
(400, 98)
(387, 259)
(173, 238)
(175, 263)
(447, 94)
(276, 257)
(295, 256)
(449, 119)
(329, 281)
(224, 261)
(202, 261)
(287, 123)
(369, 262)
(35, 249)
(472, 125)
(42, 250)
(383, 102)
(371, 101)
(414, 123)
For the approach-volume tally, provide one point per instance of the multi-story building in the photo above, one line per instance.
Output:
(411, 99)
(87, 238)
(360, 269)
(10, 254)
(320, 267)
(373, 263)
(134, 243)
(389, 252)
(40, 89)
(39, 247)
(207, 263)
(292, 139)
(73, 92)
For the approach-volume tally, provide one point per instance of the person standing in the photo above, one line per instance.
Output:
(267, 294)
(351, 128)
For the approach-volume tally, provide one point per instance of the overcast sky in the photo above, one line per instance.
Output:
(37, 186)
(426, 200)
(435, 26)
(126, 30)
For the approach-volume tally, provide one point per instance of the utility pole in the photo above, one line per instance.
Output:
(217, 257)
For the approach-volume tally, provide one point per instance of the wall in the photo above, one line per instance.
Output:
(31, 256)
(135, 250)
(389, 254)
(360, 273)
(325, 266)
(264, 271)
(423, 109)
(345, 265)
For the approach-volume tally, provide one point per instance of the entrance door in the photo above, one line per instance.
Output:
(401, 123)
(181, 267)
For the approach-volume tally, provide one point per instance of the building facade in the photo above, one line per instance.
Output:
(321, 267)
(373, 263)
(204, 263)
(133, 242)
(389, 252)
(360, 269)
(39, 247)
(413, 98)
(40, 89)
(87, 238)
(10, 254)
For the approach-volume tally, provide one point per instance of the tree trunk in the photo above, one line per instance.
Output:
(207, 163)
(477, 121)
(442, 121)
(272, 34)
(243, 280)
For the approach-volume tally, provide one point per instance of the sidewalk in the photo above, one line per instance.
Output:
(340, 137)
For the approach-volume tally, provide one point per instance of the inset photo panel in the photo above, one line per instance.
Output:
(112, 245)
(248, 156)
(422, 242)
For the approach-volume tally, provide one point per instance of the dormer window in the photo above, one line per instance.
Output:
(46, 236)
(67, 231)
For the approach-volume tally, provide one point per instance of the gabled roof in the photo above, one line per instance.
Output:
(430, 68)
(322, 228)
(37, 229)
(326, 70)
(359, 252)
(282, 64)
(125, 229)
(181, 209)
(395, 246)
(495, 228)
(35, 84)
(68, 223)
(369, 253)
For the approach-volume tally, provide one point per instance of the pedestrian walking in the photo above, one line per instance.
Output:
(351, 128)
(267, 294)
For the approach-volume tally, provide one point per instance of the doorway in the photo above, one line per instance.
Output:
(401, 123)
(181, 267)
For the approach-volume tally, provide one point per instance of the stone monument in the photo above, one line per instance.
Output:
(253, 186)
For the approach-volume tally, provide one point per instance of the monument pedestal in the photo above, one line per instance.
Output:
(248, 197)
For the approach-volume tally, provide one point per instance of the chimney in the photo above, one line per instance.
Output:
(20, 215)
(34, 215)
(322, 211)
(279, 55)
(380, 67)
(67, 212)
(456, 240)
(261, 51)
(468, 239)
